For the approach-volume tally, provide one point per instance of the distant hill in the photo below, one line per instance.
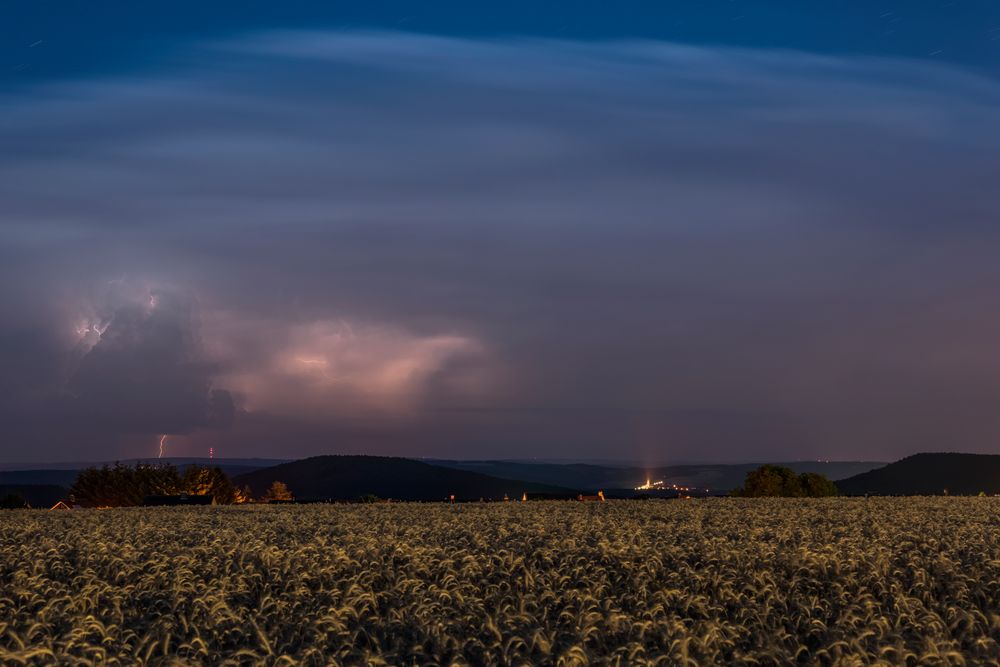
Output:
(572, 475)
(37, 495)
(348, 477)
(35, 477)
(719, 478)
(929, 474)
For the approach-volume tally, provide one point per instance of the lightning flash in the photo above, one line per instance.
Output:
(163, 444)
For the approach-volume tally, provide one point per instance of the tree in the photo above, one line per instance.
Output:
(277, 491)
(770, 480)
(199, 480)
(815, 485)
(124, 486)
(778, 481)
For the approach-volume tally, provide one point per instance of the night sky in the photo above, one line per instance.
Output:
(656, 231)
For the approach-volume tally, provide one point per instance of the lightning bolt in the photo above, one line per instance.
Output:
(163, 444)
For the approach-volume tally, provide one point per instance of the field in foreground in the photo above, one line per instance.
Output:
(720, 581)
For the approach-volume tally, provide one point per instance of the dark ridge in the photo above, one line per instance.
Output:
(929, 474)
(349, 477)
(38, 477)
(37, 495)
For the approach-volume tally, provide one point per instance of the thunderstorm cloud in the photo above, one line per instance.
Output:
(306, 242)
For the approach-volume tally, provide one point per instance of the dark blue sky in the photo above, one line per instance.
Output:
(712, 231)
(80, 37)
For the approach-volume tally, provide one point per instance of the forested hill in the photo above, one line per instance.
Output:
(349, 477)
(929, 474)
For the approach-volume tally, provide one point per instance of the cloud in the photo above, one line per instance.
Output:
(146, 373)
(339, 367)
(541, 247)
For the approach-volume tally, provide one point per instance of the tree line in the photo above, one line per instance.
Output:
(125, 486)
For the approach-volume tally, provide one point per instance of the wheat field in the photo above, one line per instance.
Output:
(718, 581)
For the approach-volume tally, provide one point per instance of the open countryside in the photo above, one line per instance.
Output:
(568, 334)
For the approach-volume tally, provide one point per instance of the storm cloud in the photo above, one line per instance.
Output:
(146, 372)
(406, 244)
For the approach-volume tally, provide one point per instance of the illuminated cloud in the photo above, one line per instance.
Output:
(333, 367)
(511, 247)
